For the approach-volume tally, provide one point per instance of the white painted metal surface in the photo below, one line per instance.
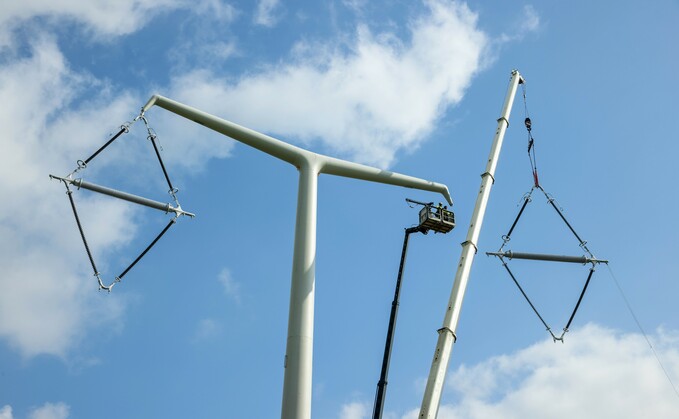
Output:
(447, 336)
(299, 350)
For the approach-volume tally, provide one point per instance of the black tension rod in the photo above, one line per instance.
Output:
(577, 305)
(80, 229)
(160, 160)
(143, 253)
(526, 200)
(123, 129)
(535, 310)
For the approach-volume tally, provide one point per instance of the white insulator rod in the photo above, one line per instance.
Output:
(447, 336)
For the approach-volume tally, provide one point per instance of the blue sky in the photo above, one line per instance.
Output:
(198, 328)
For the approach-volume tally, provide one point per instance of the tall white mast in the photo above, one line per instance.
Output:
(447, 336)
(298, 355)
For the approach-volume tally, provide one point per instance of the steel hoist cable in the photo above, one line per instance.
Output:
(527, 198)
(531, 140)
(79, 183)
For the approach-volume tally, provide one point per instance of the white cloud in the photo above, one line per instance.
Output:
(531, 19)
(6, 412)
(206, 329)
(368, 101)
(354, 410)
(215, 9)
(221, 50)
(47, 298)
(355, 5)
(264, 15)
(528, 22)
(377, 96)
(231, 286)
(597, 373)
(50, 411)
(100, 17)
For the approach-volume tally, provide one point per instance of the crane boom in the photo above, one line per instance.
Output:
(447, 336)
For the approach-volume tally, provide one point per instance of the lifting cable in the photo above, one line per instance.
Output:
(80, 183)
(641, 329)
(527, 198)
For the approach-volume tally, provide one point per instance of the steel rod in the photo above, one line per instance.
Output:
(549, 258)
(79, 183)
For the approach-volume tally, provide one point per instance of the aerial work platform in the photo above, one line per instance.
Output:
(436, 218)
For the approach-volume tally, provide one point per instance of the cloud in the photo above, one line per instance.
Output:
(355, 5)
(597, 373)
(50, 411)
(354, 410)
(528, 22)
(264, 15)
(46, 291)
(6, 412)
(48, 299)
(215, 9)
(366, 100)
(531, 19)
(206, 329)
(100, 17)
(231, 287)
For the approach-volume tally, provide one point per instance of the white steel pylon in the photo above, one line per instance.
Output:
(298, 355)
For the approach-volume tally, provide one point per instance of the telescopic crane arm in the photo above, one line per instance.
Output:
(447, 336)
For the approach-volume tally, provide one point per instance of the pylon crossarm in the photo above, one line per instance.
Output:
(337, 167)
(292, 154)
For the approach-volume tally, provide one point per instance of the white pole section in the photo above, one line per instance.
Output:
(299, 351)
(447, 336)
